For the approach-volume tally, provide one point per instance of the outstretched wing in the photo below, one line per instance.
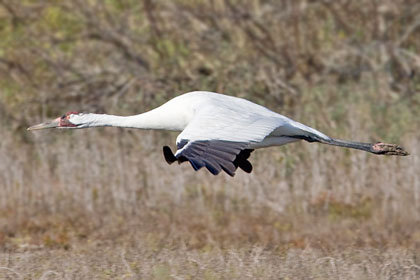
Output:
(220, 138)
(214, 155)
(224, 130)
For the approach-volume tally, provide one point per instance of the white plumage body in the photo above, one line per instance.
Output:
(202, 115)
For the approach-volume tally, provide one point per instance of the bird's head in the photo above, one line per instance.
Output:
(66, 121)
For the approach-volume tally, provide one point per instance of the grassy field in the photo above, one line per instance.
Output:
(103, 203)
(136, 262)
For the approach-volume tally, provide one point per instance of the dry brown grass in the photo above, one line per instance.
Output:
(138, 262)
(103, 203)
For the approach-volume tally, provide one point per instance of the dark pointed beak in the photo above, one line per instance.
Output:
(52, 124)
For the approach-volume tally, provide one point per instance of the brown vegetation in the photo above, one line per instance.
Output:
(103, 203)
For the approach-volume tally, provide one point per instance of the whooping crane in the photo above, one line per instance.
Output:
(217, 131)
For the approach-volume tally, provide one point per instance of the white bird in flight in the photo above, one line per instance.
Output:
(218, 131)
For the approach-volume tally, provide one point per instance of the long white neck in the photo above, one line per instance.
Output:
(154, 119)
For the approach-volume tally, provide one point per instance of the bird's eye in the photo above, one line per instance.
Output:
(63, 117)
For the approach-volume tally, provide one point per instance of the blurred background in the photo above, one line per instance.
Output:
(103, 203)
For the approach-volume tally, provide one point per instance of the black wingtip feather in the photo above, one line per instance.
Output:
(246, 166)
(169, 156)
(242, 162)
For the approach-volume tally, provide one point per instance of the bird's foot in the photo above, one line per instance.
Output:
(388, 149)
